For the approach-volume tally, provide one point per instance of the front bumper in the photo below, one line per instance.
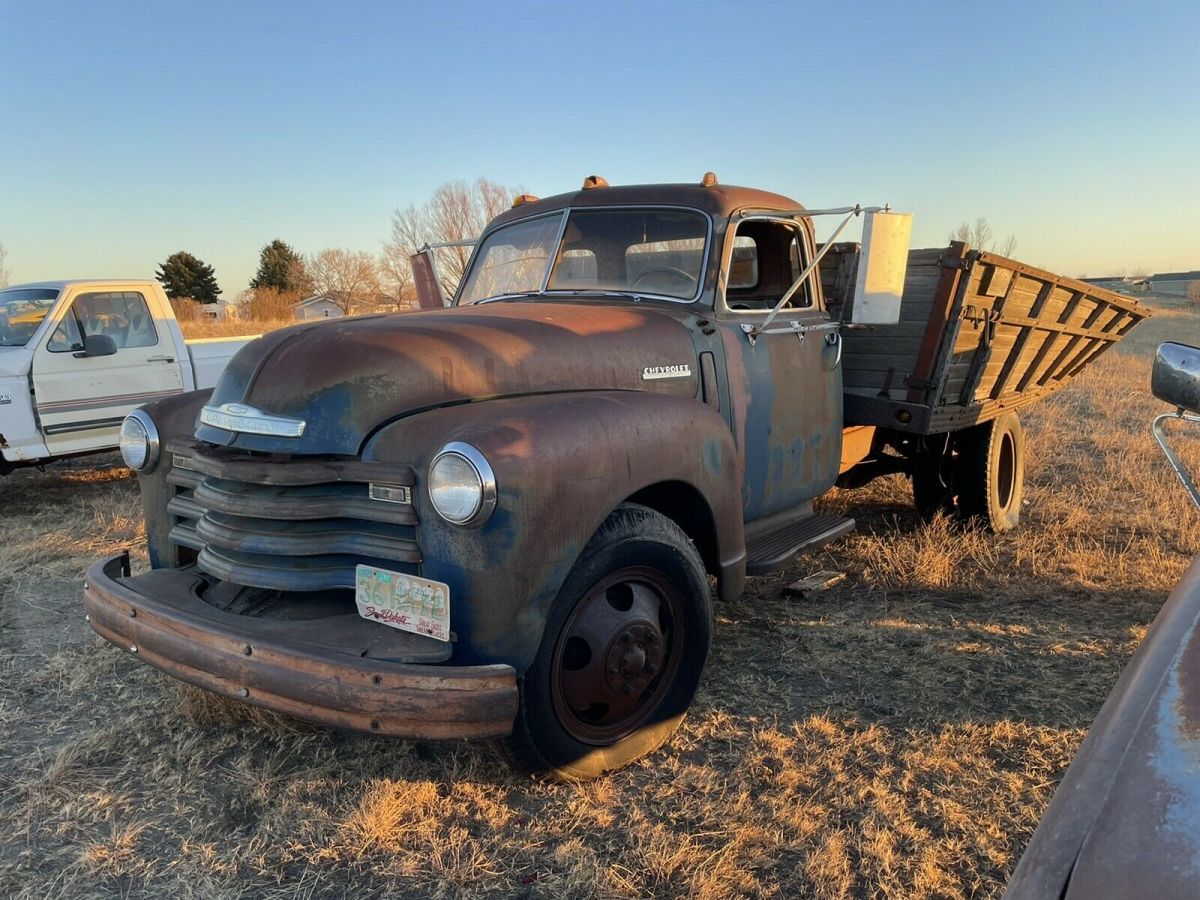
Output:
(421, 701)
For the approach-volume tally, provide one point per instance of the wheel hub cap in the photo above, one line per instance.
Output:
(611, 657)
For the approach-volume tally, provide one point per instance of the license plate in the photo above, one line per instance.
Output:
(403, 601)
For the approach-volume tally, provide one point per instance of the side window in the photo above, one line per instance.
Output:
(67, 335)
(767, 257)
(122, 315)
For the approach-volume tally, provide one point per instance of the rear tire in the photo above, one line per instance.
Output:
(621, 656)
(933, 479)
(990, 474)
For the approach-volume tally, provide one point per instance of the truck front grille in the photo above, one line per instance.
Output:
(290, 523)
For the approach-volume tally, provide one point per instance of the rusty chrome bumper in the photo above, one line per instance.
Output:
(431, 702)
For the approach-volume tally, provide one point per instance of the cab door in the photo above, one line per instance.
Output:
(79, 399)
(785, 388)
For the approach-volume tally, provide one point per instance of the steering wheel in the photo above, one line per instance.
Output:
(669, 271)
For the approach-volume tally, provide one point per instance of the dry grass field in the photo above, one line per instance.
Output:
(233, 328)
(896, 736)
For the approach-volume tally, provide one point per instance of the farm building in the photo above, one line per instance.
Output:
(1175, 282)
(1125, 284)
(318, 306)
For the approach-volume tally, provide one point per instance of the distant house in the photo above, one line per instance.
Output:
(318, 306)
(216, 312)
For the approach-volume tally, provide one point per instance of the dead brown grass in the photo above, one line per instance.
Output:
(203, 328)
(896, 736)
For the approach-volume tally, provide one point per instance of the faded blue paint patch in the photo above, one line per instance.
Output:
(1177, 764)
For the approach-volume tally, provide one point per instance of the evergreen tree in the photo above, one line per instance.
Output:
(184, 276)
(280, 267)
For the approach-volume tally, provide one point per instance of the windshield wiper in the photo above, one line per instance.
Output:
(524, 295)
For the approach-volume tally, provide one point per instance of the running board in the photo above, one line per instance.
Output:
(774, 550)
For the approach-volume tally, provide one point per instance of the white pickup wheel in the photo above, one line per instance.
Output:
(990, 472)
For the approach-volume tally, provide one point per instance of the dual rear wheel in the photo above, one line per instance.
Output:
(978, 473)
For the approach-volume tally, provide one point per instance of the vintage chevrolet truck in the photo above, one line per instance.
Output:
(499, 519)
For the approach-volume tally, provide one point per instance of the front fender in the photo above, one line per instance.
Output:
(563, 462)
(174, 417)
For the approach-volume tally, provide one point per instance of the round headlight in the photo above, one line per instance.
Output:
(139, 441)
(462, 486)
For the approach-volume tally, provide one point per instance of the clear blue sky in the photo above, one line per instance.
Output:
(131, 130)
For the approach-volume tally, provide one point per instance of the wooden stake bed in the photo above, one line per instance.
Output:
(978, 335)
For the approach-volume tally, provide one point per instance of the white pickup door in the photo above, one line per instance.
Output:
(81, 399)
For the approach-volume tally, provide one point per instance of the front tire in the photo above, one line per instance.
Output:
(622, 654)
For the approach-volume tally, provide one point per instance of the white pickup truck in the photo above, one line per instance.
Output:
(77, 356)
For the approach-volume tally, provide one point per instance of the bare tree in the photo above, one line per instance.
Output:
(980, 236)
(350, 278)
(395, 270)
(456, 212)
(3, 267)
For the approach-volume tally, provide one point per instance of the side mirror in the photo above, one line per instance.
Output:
(882, 266)
(98, 345)
(1176, 376)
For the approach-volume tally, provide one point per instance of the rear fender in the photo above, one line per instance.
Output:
(562, 463)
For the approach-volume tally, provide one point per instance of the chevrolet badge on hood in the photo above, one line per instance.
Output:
(654, 373)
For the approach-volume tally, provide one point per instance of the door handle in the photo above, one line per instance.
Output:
(833, 339)
(163, 359)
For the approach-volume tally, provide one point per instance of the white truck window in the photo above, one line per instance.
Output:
(122, 315)
(21, 312)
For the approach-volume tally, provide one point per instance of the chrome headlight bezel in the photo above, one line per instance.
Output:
(486, 502)
(150, 441)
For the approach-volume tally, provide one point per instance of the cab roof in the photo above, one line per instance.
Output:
(71, 282)
(719, 200)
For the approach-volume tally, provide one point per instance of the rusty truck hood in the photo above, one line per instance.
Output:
(347, 377)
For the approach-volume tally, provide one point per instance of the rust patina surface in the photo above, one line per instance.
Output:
(345, 378)
(1125, 821)
(321, 671)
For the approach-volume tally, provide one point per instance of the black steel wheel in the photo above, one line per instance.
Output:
(622, 654)
(990, 472)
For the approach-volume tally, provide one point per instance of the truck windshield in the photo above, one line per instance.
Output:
(21, 312)
(643, 252)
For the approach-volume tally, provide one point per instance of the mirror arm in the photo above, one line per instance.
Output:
(1160, 435)
(803, 276)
